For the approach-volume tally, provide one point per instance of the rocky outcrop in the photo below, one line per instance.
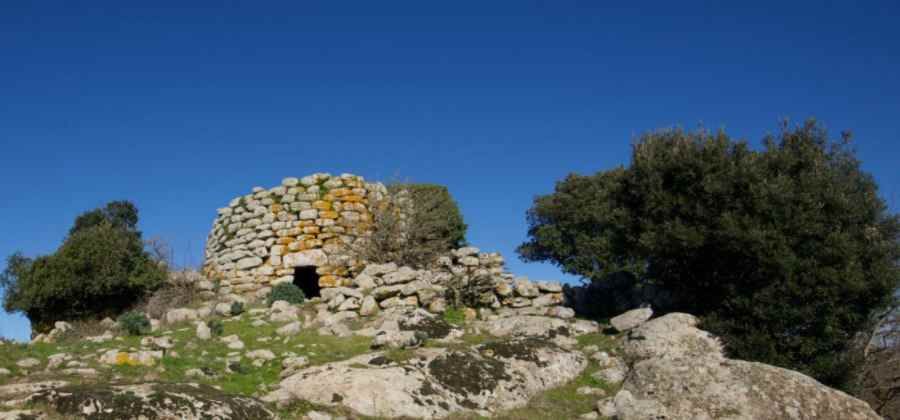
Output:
(51, 400)
(678, 371)
(148, 401)
(433, 382)
(631, 319)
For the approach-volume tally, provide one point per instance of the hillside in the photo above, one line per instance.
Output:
(304, 361)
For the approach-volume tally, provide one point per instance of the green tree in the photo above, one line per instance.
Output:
(439, 223)
(785, 252)
(120, 214)
(99, 270)
(413, 224)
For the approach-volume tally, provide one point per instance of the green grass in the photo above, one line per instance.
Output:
(562, 402)
(455, 316)
(192, 353)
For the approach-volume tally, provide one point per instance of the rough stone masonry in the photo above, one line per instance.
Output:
(260, 238)
(263, 238)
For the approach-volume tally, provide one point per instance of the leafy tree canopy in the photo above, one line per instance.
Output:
(99, 270)
(784, 251)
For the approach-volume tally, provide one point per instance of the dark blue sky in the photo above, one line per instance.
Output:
(182, 108)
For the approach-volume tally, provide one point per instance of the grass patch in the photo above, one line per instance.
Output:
(562, 402)
(455, 316)
(211, 356)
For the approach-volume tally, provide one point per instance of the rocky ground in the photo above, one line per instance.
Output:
(306, 362)
(303, 361)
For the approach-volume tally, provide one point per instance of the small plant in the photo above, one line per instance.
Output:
(237, 308)
(238, 368)
(216, 327)
(455, 316)
(134, 323)
(287, 292)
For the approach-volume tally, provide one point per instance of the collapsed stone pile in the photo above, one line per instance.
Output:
(259, 238)
(383, 286)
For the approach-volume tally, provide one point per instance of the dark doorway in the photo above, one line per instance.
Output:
(307, 280)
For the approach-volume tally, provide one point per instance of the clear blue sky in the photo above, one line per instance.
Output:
(182, 108)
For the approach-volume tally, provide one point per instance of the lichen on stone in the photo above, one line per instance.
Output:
(467, 373)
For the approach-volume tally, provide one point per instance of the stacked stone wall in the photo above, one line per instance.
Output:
(258, 239)
(384, 286)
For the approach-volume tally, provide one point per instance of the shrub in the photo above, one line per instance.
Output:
(118, 214)
(216, 327)
(287, 292)
(100, 270)
(412, 225)
(134, 323)
(784, 252)
(237, 308)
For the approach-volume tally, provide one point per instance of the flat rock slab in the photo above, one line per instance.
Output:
(631, 319)
(525, 325)
(435, 382)
(149, 401)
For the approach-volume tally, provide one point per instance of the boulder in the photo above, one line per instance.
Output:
(292, 364)
(291, 329)
(377, 270)
(402, 275)
(364, 282)
(369, 306)
(181, 314)
(679, 371)
(465, 251)
(524, 325)
(436, 381)
(549, 287)
(631, 319)
(262, 354)
(223, 309)
(396, 339)
(313, 257)
(561, 312)
(525, 288)
(384, 292)
(158, 343)
(547, 299)
(203, 332)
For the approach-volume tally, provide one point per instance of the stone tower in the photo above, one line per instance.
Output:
(297, 232)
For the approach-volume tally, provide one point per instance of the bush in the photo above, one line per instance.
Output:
(784, 252)
(237, 308)
(100, 270)
(216, 327)
(134, 323)
(412, 225)
(287, 292)
(118, 214)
